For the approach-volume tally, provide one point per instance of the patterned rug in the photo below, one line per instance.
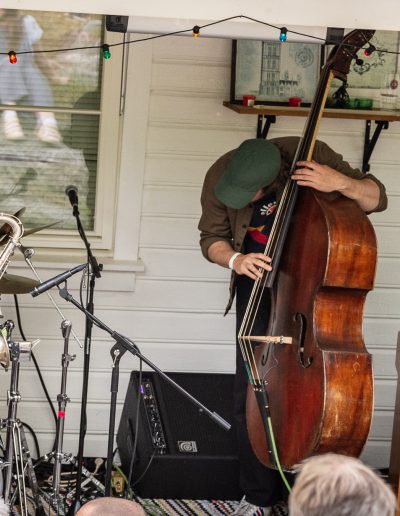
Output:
(158, 507)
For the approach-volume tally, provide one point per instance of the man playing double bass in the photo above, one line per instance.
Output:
(240, 194)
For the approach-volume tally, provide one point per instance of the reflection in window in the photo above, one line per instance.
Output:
(50, 114)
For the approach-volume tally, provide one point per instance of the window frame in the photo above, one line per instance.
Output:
(53, 242)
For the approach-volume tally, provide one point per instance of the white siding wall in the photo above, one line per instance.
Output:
(174, 311)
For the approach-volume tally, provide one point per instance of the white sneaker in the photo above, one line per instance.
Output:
(11, 127)
(48, 133)
(247, 509)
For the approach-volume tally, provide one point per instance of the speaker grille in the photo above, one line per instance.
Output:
(183, 421)
(199, 460)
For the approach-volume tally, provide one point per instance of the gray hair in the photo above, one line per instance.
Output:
(336, 485)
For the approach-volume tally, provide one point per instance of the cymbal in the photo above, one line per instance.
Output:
(39, 228)
(12, 284)
(20, 212)
(6, 229)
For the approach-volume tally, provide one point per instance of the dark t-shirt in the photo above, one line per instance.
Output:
(261, 223)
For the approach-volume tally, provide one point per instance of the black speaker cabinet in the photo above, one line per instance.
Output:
(181, 452)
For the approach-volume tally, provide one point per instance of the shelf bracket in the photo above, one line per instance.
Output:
(262, 132)
(369, 143)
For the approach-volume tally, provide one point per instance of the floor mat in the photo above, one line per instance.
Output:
(158, 507)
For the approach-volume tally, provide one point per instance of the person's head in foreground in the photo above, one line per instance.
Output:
(111, 507)
(336, 485)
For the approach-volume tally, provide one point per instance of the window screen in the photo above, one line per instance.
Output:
(50, 115)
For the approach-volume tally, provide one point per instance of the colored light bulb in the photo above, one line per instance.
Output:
(368, 51)
(106, 51)
(12, 56)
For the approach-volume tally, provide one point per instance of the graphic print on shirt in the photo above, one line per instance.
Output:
(261, 224)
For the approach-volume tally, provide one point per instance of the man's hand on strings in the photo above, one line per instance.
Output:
(320, 177)
(252, 265)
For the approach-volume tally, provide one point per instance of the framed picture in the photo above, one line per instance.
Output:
(376, 77)
(274, 71)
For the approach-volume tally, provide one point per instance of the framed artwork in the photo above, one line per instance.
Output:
(274, 71)
(376, 76)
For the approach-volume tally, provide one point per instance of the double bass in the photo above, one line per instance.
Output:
(311, 381)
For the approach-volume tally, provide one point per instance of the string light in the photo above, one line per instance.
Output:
(283, 34)
(12, 56)
(196, 31)
(106, 51)
(368, 51)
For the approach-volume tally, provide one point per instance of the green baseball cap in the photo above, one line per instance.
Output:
(252, 166)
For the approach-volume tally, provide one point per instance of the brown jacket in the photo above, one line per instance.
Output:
(218, 222)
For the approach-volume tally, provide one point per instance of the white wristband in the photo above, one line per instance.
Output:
(232, 259)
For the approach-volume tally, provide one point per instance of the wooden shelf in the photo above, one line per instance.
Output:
(268, 114)
(355, 114)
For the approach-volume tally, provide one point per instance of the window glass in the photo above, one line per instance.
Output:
(50, 114)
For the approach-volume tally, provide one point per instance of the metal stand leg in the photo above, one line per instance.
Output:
(30, 472)
(24, 466)
(18, 460)
(13, 397)
(90, 478)
(62, 399)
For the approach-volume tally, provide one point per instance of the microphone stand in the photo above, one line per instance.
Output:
(94, 273)
(123, 344)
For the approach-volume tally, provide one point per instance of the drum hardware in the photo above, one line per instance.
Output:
(68, 458)
(62, 399)
(121, 346)
(17, 459)
(58, 456)
(12, 284)
(90, 477)
(16, 452)
(28, 253)
(40, 228)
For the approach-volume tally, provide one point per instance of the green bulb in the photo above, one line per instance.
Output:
(106, 51)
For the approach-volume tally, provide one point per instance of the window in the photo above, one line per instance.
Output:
(54, 120)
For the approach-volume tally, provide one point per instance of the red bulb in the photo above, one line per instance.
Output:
(368, 51)
(12, 56)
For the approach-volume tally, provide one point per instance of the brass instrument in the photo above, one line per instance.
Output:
(14, 234)
(14, 231)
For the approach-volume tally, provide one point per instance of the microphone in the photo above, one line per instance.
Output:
(72, 193)
(48, 284)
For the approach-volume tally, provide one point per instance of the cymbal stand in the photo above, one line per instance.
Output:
(62, 399)
(122, 345)
(70, 496)
(28, 253)
(16, 449)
